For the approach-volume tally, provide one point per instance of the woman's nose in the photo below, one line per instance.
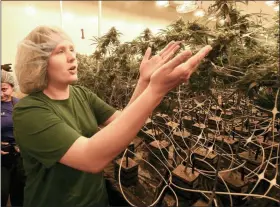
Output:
(71, 57)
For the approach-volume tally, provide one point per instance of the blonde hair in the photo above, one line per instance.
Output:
(7, 78)
(32, 57)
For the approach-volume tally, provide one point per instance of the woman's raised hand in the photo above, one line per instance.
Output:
(176, 71)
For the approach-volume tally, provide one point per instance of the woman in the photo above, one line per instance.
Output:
(56, 125)
(12, 175)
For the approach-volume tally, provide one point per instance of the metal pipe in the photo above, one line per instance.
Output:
(99, 17)
(61, 14)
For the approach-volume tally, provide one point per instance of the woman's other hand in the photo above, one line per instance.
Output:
(150, 64)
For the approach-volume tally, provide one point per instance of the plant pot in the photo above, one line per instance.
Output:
(235, 185)
(187, 122)
(183, 177)
(179, 136)
(215, 121)
(171, 126)
(227, 115)
(234, 181)
(160, 149)
(251, 163)
(151, 134)
(200, 203)
(197, 128)
(211, 158)
(129, 173)
(229, 143)
(161, 118)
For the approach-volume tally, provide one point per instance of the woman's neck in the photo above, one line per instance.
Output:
(57, 92)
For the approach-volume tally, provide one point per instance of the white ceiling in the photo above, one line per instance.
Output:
(141, 8)
(151, 9)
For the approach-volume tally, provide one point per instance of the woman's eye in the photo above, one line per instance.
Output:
(59, 51)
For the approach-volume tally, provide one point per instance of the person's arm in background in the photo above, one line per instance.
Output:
(93, 154)
(147, 67)
(15, 100)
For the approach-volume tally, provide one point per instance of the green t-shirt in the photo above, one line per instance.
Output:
(44, 130)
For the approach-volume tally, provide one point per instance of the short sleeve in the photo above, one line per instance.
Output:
(100, 108)
(41, 134)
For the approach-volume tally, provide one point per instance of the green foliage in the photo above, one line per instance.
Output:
(245, 56)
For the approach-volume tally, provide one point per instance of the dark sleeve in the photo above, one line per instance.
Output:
(41, 134)
(100, 108)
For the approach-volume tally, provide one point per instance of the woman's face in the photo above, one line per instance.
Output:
(62, 64)
(6, 92)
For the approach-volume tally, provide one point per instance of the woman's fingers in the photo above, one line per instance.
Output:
(4, 143)
(168, 56)
(166, 47)
(185, 70)
(178, 69)
(193, 62)
(147, 54)
(171, 49)
(179, 59)
(4, 153)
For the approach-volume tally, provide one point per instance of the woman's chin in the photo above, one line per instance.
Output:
(73, 80)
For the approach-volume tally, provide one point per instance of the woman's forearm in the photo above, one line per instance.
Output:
(140, 87)
(114, 138)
